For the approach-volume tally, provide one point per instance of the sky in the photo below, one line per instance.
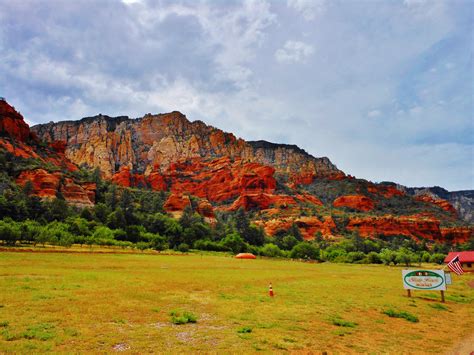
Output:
(385, 89)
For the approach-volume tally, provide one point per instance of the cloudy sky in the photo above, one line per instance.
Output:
(382, 88)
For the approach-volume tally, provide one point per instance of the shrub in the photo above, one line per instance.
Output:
(158, 242)
(183, 247)
(355, 256)
(406, 256)
(234, 242)
(104, 233)
(182, 318)
(244, 330)
(42, 331)
(270, 250)
(305, 250)
(142, 246)
(373, 258)
(9, 232)
(209, 245)
(405, 315)
(437, 258)
(388, 256)
(343, 323)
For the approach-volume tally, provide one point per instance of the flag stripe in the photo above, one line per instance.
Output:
(455, 266)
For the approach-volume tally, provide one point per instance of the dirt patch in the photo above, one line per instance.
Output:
(471, 284)
(121, 347)
(465, 347)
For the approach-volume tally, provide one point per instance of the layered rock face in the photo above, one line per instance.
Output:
(357, 202)
(411, 226)
(156, 141)
(17, 139)
(12, 123)
(445, 205)
(307, 225)
(47, 185)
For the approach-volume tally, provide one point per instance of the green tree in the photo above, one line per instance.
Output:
(58, 210)
(9, 232)
(271, 250)
(295, 232)
(234, 242)
(305, 250)
(116, 219)
(374, 258)
(437, 258)
(388, 256)
(406, 256)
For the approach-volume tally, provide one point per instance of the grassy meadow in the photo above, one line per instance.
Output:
(123, 302)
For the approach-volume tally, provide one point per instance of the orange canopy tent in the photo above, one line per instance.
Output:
(245, 256)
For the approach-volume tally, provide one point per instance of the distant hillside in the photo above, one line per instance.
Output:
(197, 166)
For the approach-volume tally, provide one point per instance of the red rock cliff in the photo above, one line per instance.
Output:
(159, 140)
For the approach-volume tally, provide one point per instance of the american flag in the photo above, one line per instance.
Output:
(455, 265)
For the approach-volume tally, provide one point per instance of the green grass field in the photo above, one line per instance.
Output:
(117, 302)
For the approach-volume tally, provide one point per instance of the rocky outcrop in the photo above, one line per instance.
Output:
(462, 201)
(12, 123)
(415, 226)
(111, 143)
(445, 205)
(261, 201)
(387, 191)
(43, 183)
(176, 202)
(81, 195)
(47, 185)
(308, 226)
(307, 198)
(457, 234)
(357, 202)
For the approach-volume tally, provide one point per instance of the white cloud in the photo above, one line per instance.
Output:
(364, 98)
(294, 52)
(373, 113)
(131, 2)
(309, 9)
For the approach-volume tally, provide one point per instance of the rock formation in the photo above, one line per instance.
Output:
(152, 141)
(203, 167)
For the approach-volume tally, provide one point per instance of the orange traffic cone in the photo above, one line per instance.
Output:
(270, 290)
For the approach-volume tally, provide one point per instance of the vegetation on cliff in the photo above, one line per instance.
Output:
(164, 182)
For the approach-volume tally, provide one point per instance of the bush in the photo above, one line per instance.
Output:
(334, 252)
(9, 232)
(184, 318)
(343, 323)
(305, 250)
(405, 315)
(209, 245)
(406, 256)
(244, 330)
(388, 256)
(355, 256)
(270, 250)
(373, 258)
(183, 247)
(234, 242)
(142, 246)
(103, 233)
(157, 242)
(437, 258)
